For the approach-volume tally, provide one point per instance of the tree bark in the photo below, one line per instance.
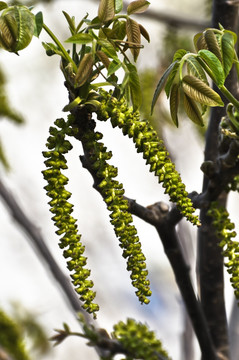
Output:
(210, 260)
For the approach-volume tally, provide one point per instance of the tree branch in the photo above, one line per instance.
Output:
(41, 248)
(210, 259)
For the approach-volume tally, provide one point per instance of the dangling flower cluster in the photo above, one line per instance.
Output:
(11, 339)
(140, 342)
(62, 209)
(154, 152)
(224, 228)
(112, 192)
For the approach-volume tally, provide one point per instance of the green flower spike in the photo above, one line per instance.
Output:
(225, 231)
(154, 152)
(139, 341)
(112, 192)
(62, 209)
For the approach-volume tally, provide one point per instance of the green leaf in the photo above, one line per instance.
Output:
(144, 32)
(179, 54)
(201, 92)
(134, 84)
(192, 110)
(51, 49)
(26, 26)
(84, 70)
(3, 5)
(113, 67)
(80, 38)
(199, 42)
(227, 45)
(195, 69)
(215, 66)
(107, 48)
(134, 36)
(17, 25)
(72, 104)
(38, 24)
(71, 22)
(136, 7)
(106, 10)
(160, 85)
(174, 102)
(118, 6)
(118, 30)
(171, 78)
(212, 43)
(103, 58)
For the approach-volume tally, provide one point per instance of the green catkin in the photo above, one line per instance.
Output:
(140, 342)
(225, 232)
(11, 339)
(112, 192)
(147, 142)
(62, 209)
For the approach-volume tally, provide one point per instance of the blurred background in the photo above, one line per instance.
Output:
(34, 85)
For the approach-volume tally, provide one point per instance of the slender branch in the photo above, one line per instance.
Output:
(170, 19)
(40, 246)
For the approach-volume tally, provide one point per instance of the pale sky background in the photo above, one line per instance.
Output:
(35, 87)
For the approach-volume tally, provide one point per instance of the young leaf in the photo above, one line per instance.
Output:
(84, 70)
(179, 54)
(135, 89)
(72, 104)
(134, 36)
(192, 110)
(136, 7)
(215, 66)
(52, 49)
(3, 5)
(201, 92)
(160, 85)
(107, 48)
(174, 102)
(81, 38)
(17, 25)
(118, 30)
(103, 58)
(38, 24)
(199, 42)
(171, 78)
(195, 69)
(144, 32)
(118, 6)
(212, 43)
(113, 67)
(227, 45)
(71, 22)
(106, 10)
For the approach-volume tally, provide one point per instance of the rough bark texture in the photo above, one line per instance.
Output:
(210, 261)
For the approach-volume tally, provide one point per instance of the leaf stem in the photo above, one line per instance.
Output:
(61, 47)
(229, 96)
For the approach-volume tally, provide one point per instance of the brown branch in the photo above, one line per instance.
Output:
(170, 19)
(210, 260)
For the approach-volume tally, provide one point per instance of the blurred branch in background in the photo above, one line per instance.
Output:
(41, 248)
